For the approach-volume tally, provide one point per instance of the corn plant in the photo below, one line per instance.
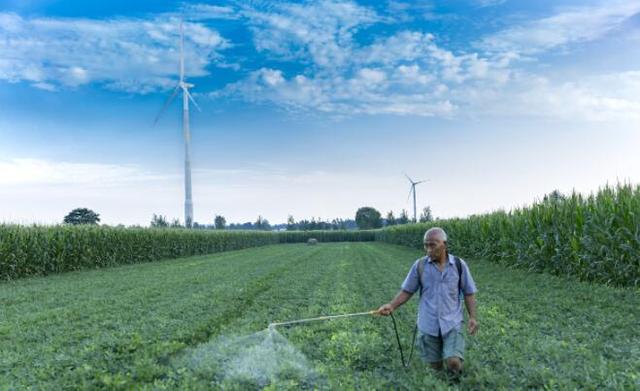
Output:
(593, 238)
(42, 250)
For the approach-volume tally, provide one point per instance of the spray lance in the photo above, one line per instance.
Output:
(328, 317)
(272, 326)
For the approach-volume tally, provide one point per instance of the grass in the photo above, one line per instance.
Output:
(128, 327)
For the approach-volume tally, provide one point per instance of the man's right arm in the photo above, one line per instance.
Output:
(401, 298)
(411, 284)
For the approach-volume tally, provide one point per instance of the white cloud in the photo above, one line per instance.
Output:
(123, 54)
(409, 73)
(609, 97)
(207, 11)
(43, 191)
(408, 91)
(370, 77)
(406, 73)
(415, 10)
(45, 86)
(402, 46)
(272, 77)
(412, 75)
(29, 171)
(321, 32)
(489, 3)
(367, 92)
(579, 24)
(10, 22)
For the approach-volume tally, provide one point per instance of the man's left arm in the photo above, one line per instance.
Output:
(470, 303)
(469, 290)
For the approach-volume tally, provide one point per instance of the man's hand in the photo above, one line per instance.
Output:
(385, 310)
(473, 325)
(401, 298)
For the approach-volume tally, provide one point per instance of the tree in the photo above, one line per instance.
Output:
(159, 221)
(426, 215)
(404, 217)
(391, 219)
(82, 216)
(554, 196)
(262, 224)
(220, 222)
(291, 223)
(338, 224)
(176, 224)
(368, 218)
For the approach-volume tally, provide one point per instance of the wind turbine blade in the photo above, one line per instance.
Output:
(181, 53)
(410, 190)
(426, 180)
(166, 104)
(192, 100)
(410, 180)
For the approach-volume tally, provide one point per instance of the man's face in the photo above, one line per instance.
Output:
(434, 246)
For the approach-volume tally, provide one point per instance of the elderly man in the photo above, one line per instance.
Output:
(443, 278)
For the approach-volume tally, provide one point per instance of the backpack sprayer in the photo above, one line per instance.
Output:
(405, 364)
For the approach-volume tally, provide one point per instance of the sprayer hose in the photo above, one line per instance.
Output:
(406, 363)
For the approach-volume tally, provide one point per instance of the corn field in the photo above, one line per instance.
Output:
(40, 250)
(594, 238)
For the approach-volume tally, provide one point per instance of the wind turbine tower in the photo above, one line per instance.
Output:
(413, 190)
(186, 97)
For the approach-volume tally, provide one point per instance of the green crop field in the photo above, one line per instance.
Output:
(182, 323)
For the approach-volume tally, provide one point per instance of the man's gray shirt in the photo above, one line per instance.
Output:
(440, 307)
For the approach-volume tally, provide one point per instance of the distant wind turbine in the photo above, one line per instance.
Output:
(186, 97)
(413, 190)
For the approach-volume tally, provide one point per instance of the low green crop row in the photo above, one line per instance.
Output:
(594, 238)
(198, 324)
(39, 250)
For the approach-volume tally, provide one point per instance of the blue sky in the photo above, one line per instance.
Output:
(314, 108)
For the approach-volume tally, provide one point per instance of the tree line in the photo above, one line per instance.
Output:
(366, 218)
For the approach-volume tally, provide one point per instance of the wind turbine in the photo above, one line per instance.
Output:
(186, 97)
(413, 190)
